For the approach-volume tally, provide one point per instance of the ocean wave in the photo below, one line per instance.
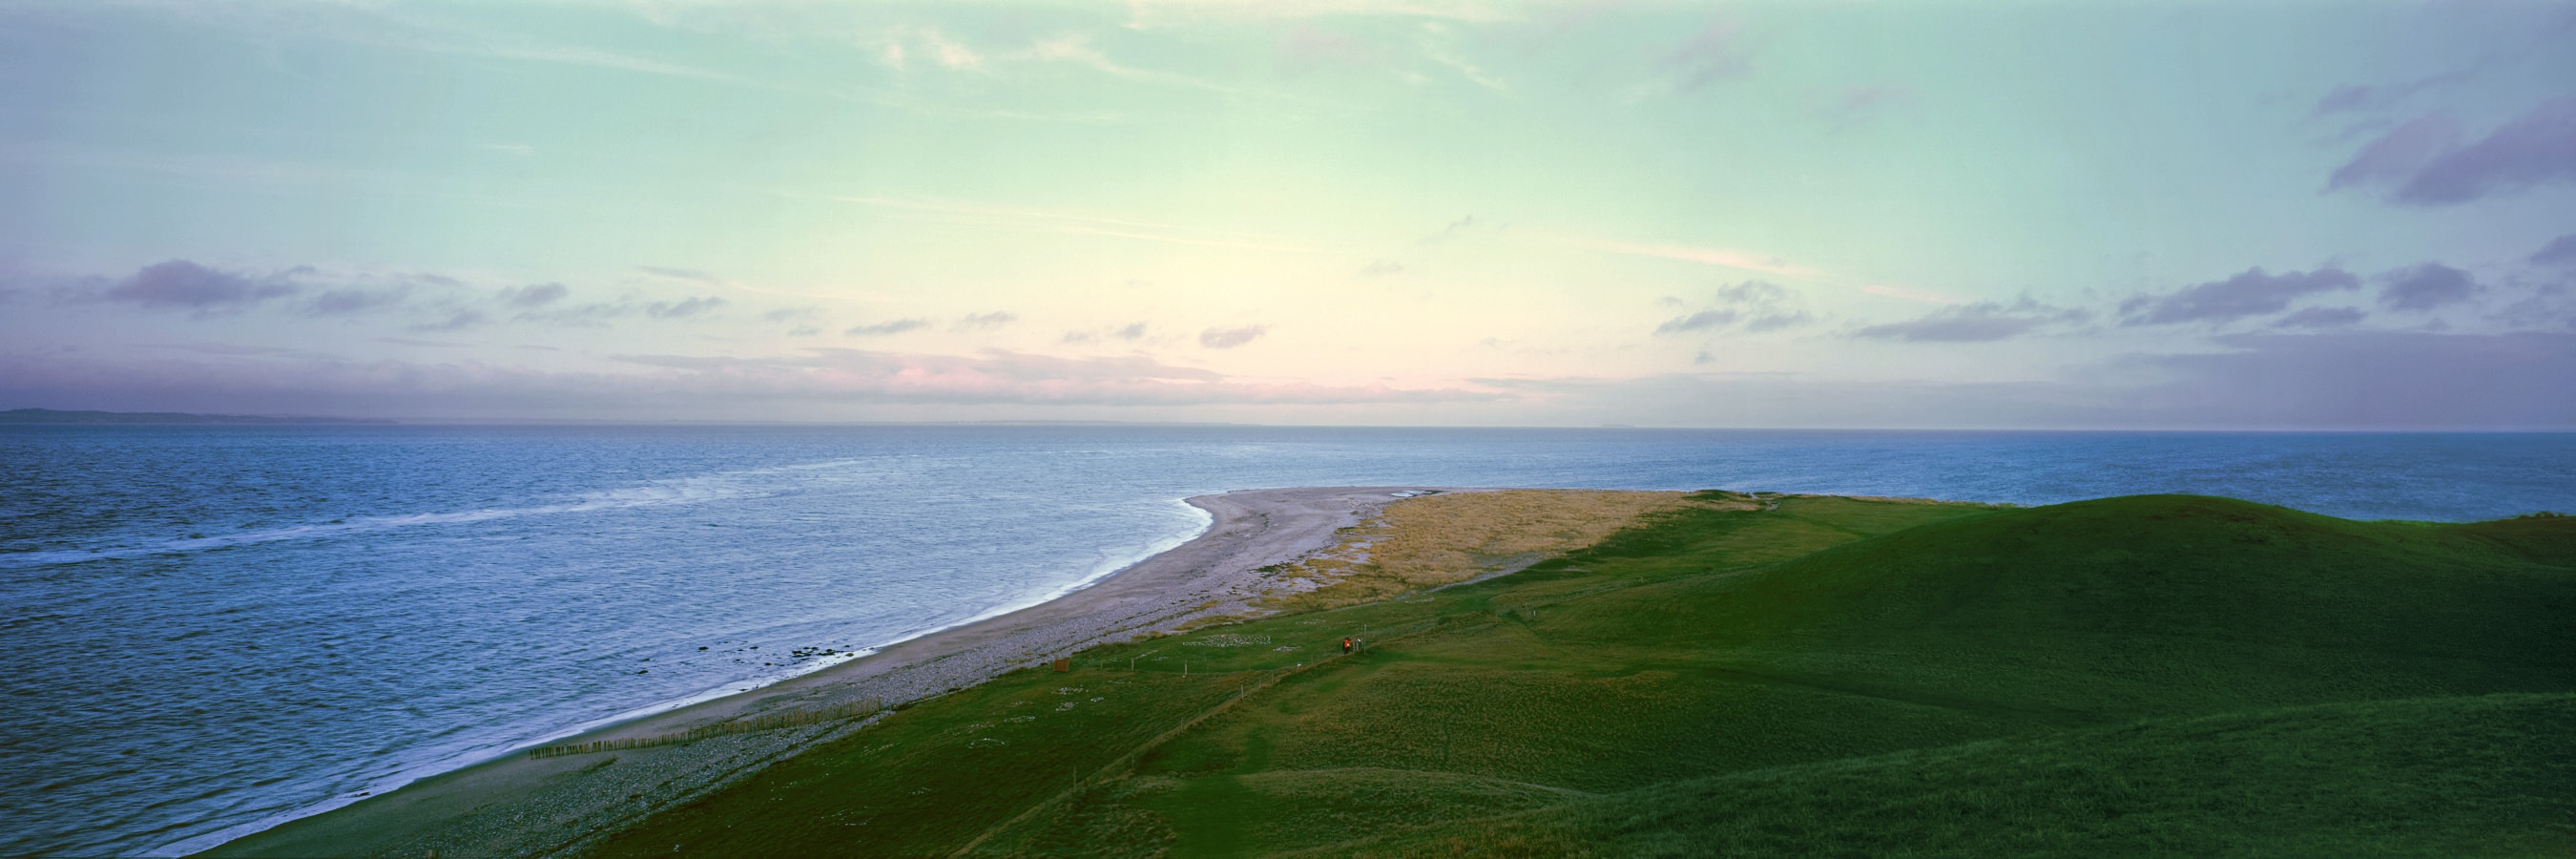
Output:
(722, 486)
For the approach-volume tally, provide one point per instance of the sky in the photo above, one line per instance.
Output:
(2114, 215)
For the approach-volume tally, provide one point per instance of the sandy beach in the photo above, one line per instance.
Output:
(518, 806)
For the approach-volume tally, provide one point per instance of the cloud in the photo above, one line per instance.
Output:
(1072, 223)
(533, 295)
(1981, 322)
(1911, 294)
(2361, 379)
(1759, 305)
(2320, 317)
(2425, 287)
(458, 321)
(2552, 305)
(1228, 338)
(2351, 98)
(899, 47)
(680, 273)
(1761, 292)
(180, 283)
(986, 321)
(811, 382)
(2394, 155)
(897, 326)
(2249, 293)
(2560, 251)
(2338, 380)
(1716, 53)
(341, 302)
(1131, 331)
(1382, 268)
(1755, 306)
(1701, 321)
(2427, 166)
(1307, 47)
(1855, 105)
(1451, 231)
(785, 314)
(544, 310)
(1722, 257)
(589, 315)
(240, 349)
(682, 309)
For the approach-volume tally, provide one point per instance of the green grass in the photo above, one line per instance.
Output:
(2460, 776)
(2155, 675)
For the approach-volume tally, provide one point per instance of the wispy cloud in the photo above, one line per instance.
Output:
(1981, 322)
(1716, 53)
(2560, 251)
(1382, 268)
(1455, 229)
(894, 326)
(346, 301)
(1228, 338)
(533, 295)
(2321, 317)
(455, 321)
(1724, 257)
(680, 274)
(1856, 105)
(2424, 163)
(180, 283)
(255, 379)
(2427, 286)
(2252, 292)
(1130, 332)
(1438, 44)
(683, 308)
(1035, 220)
(1754, 306)
(1911, 294)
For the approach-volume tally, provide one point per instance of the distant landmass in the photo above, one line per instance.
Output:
(54, 416)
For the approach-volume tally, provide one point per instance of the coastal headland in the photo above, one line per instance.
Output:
(524, 805)
(1340, 672)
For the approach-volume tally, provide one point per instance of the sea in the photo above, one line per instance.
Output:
(209, 630)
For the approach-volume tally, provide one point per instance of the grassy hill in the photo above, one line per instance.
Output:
(2157, 675)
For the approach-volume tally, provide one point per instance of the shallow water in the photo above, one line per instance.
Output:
(209, 628)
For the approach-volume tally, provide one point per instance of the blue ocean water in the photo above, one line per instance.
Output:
(206, 630)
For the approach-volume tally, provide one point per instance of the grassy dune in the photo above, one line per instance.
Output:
(1453, 537)
(2158, 675)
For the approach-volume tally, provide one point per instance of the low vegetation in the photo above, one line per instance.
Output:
(1732, 675)
(1446, 538)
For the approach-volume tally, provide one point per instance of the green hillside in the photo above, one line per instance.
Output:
(1829, 676)
(2463, 776)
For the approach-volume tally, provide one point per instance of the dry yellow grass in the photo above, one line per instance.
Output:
(1435, 540)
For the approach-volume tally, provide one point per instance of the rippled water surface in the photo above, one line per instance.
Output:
(207, 629)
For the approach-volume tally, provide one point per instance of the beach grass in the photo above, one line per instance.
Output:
(1446, 538)
(1741, 675)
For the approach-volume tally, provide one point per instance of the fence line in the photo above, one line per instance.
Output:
(771, 722)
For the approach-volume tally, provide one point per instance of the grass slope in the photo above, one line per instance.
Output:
(2461, 776)
(1821, 659)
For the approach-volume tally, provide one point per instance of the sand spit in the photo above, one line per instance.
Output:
(518, 806)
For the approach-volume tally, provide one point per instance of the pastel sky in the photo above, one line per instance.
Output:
(1922, 214)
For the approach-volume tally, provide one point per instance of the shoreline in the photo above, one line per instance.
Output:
(514, 804)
